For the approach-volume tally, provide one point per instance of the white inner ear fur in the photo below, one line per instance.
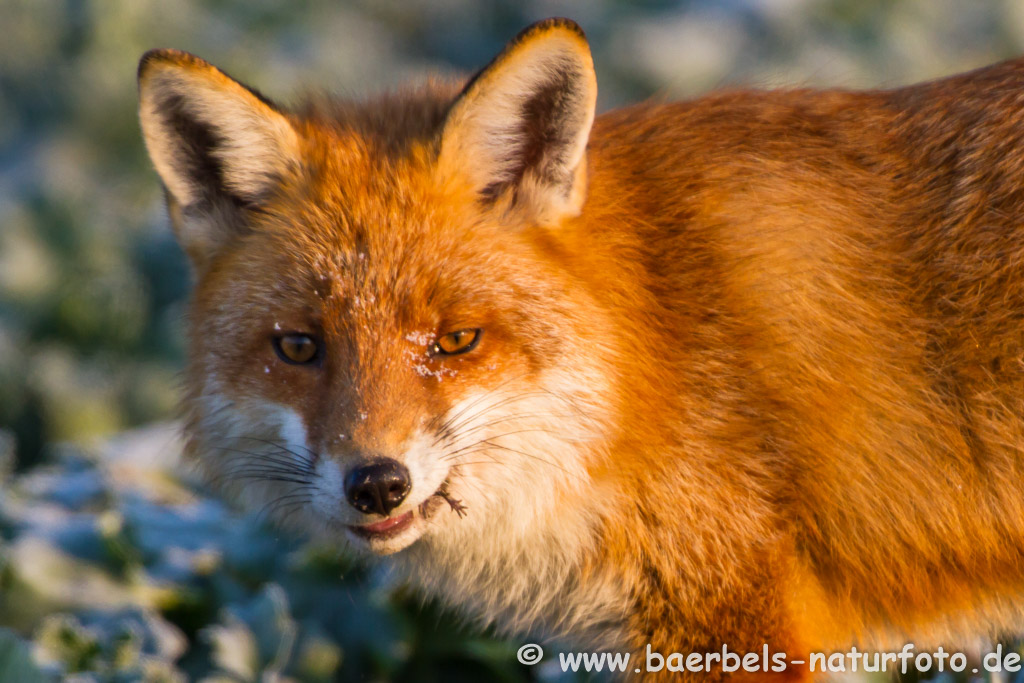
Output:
(254, 142)
(488, 122)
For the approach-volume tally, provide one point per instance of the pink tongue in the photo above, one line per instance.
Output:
(386, 524)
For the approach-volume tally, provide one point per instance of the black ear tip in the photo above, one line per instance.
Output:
(147, 60)
(550, 24)
(533, 31)
(164, 55)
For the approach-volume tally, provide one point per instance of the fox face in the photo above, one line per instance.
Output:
(369, 384)
(384, 346)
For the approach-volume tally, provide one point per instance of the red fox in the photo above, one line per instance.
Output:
(743, 371)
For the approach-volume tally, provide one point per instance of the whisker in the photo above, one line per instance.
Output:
(310, 458)
(517, 431)
(304, 483)
(253, 472)
(455, 426)
(269, 457)
(292, 509)
(269, 464)
(525, 454)
(485, 444)
(475, 402)
(272, 505)
(302, 460)
(491, 423)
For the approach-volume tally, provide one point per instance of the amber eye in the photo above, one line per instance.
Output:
(456, 342)
(297, 349)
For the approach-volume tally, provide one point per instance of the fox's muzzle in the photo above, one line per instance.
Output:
(378, 487)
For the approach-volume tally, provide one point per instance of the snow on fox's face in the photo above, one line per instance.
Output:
(381, 384)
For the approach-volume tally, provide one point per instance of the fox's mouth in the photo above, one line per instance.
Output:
(396, 532)
(386, 528)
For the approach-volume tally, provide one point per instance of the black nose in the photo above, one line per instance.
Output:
(378, 487)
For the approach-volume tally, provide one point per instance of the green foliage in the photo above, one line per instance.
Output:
(15, 662)
(140, 576)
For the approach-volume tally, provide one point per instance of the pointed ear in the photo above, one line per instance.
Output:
(219, 147)
(519, 130)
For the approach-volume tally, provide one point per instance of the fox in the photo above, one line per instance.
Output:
(742, 371)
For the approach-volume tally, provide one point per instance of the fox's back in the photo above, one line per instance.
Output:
(845, 270)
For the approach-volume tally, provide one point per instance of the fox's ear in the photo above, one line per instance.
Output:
(219, 147)
(519, 130)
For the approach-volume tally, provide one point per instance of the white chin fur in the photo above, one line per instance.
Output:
(391, 544)
(517, 461)
(324, 512)
(530, 518)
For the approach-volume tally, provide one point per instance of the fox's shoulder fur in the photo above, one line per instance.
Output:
(742, 370)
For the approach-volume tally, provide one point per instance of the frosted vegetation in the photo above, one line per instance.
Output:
(114, 564)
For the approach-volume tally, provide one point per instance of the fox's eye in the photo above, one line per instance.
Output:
(297, 349)
(456, 342)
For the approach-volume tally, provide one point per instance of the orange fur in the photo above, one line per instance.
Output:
(794, 320)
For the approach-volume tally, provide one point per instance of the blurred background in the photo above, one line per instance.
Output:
(114, 564)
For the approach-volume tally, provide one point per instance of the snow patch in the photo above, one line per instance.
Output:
(420, 337)
(424, 370)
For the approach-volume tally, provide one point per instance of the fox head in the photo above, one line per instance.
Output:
(385, 344)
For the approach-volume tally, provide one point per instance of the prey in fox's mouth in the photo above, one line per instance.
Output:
(368, 495)
(394, 525)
